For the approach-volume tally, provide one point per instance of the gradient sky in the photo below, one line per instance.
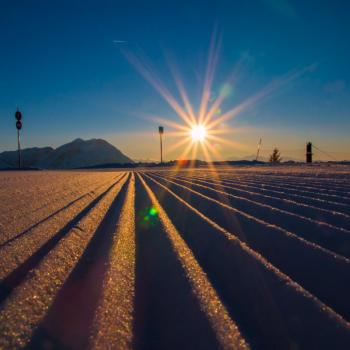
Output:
(62, 63)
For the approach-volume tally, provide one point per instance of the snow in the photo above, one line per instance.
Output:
(233, 257)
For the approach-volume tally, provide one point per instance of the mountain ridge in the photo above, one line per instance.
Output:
(75, 154)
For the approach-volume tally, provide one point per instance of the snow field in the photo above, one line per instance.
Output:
(226, 258)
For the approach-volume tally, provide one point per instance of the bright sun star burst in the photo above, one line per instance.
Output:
(198, 132)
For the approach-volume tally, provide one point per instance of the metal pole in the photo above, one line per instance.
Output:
(19, 149)
(161, 148)
(161, 132)
(258, 151)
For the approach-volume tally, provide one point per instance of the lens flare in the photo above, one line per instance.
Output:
(147, 218)
(153, 211)
(198, 133)
(202, 128)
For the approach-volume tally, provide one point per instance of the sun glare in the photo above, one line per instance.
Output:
(202, 128)
(198, 133)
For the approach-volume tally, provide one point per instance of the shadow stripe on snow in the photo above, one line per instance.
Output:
(298, 258)
(68, 321)
(295, 183)
(295, 178)
(29, 302)
(225, 329)
(264, 185)
(338, 215)
(167, 312)
(336, 218)
(113, 321)
(275, 309)
(18, 260)
(26, 197)
(48, 217)
(272, 311)
(44, 190)
(285, 186)
(326, 235)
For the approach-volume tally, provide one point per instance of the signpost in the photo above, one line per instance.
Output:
(18, 116)
(161, 132)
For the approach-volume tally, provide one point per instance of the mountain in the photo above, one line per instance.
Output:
(80, 153)
(76, 154)
(31, 157)
(3, 165)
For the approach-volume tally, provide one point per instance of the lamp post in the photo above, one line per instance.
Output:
(161, 132)
(18, 116)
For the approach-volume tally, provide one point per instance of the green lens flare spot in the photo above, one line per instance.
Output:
(148, 218)
(153, 211)
(225, 90)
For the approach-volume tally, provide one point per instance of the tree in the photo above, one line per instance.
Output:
(275, 157)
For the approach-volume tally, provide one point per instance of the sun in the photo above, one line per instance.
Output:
(198, 133)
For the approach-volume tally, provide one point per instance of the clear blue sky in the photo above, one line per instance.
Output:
(59, 63)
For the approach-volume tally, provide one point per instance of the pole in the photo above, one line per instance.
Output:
(19, 149)
(161, 132)
(258, 151)
(161, 148)
(18, 116)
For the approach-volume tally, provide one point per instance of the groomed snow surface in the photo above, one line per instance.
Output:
(225, 258)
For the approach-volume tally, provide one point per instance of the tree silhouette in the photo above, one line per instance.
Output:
(275, 157)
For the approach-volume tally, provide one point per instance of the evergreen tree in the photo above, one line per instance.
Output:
(275, 157)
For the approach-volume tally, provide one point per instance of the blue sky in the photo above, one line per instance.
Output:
(61, 65)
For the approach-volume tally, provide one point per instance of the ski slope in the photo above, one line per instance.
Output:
(224, 258)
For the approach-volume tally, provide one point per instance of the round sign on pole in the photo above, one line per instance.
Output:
(18, 115)
(19, 125)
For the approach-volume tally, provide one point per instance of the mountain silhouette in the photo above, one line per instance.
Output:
(31, 157)
(76, 154)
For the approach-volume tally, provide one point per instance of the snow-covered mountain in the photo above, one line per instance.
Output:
(75, 154)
